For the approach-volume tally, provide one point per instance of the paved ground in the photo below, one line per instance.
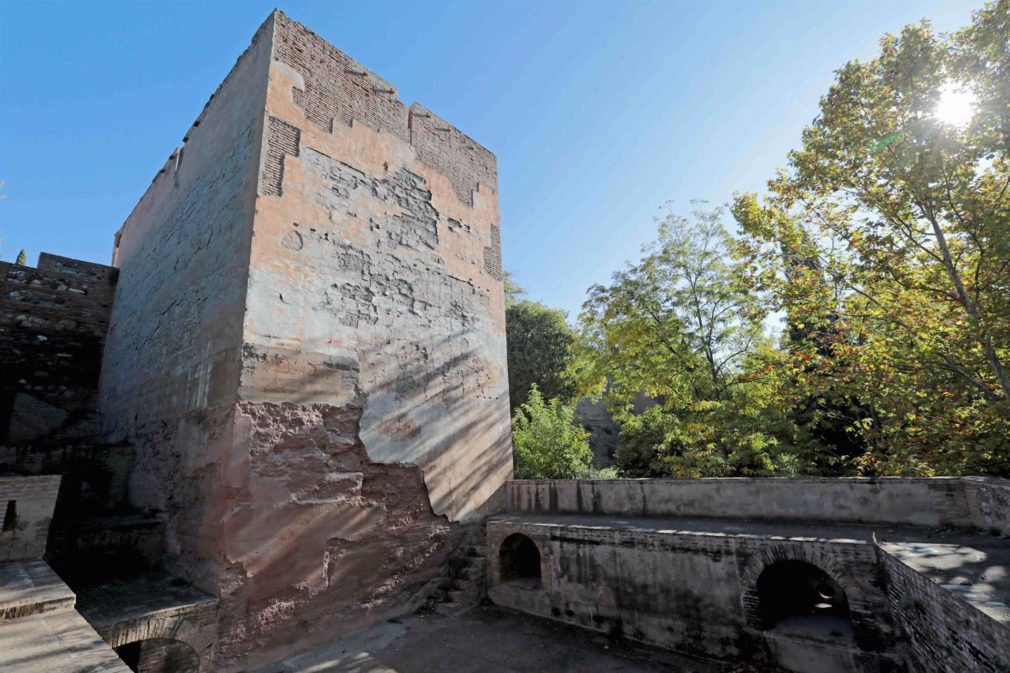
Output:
(486, 640)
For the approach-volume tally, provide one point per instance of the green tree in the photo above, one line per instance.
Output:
(683, 328)
(900, 192)
(547, 443)
(539, 349)
(22, 258)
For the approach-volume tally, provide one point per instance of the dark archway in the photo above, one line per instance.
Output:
(802, 594)
(159, 655)
(519, 561)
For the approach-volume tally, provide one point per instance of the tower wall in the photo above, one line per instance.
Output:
(308, 346)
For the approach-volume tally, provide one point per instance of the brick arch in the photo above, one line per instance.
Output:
(498, 537)
(164, 655)
(198, 636)
(829, 563)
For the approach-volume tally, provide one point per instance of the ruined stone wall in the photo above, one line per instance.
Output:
(53, 321)
(944, 634)
(373, 395)
(171, 366)
(941, 501)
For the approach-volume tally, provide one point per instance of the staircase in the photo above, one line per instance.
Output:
(463, 583)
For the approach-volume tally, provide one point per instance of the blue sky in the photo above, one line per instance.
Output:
(599, 111)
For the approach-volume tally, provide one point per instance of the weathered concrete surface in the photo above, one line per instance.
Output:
(942, 501)
(55, 641)
(488, 640)
(989, 501)
(308, 348)
(692, 584)
(39, 630)
(29, 588)
(26, 505)
(952, 599)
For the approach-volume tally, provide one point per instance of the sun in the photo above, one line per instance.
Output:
(956, 106)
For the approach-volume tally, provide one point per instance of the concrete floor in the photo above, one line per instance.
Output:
(488, 640)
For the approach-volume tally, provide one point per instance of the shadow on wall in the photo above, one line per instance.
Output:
(438, 404)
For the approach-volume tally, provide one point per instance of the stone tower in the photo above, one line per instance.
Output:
(307, 345)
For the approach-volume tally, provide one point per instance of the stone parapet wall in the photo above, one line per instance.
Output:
(692, 591)
(26, 505)
(944, 634)
(53, 322)
(943, 501)
(989, 500)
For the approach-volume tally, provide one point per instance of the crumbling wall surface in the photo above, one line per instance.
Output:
(325, 540)
(171, 367)
(373, 393)
(944, 634)
(941, 501)
(53, 321)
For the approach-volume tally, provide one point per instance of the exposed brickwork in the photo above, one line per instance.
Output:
(492, 255)
(53, 322)
(282, 139)
(945, 634)
(336, 86)
(452, 153)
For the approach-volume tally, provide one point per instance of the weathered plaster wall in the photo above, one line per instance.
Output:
(693, 592)
(171, 366)
(924, 502)
(944, 634)
(53, 321)
(373, 394)
(308, 347)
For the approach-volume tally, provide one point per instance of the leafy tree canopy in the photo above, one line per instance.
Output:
(887, 244)
(546, 441)
(539, 348)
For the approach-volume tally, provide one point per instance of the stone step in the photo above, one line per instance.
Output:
(57, 641)
(29, 588)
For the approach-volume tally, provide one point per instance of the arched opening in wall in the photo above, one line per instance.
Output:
(798, 598)
(519, 561)
(159, 655)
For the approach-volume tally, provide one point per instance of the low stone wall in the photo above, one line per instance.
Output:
(921, 502)
(53, 321)
(944, 634)
(26, 505)
(694, 592)
(990, 503)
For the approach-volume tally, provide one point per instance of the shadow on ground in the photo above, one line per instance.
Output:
(488, 639)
